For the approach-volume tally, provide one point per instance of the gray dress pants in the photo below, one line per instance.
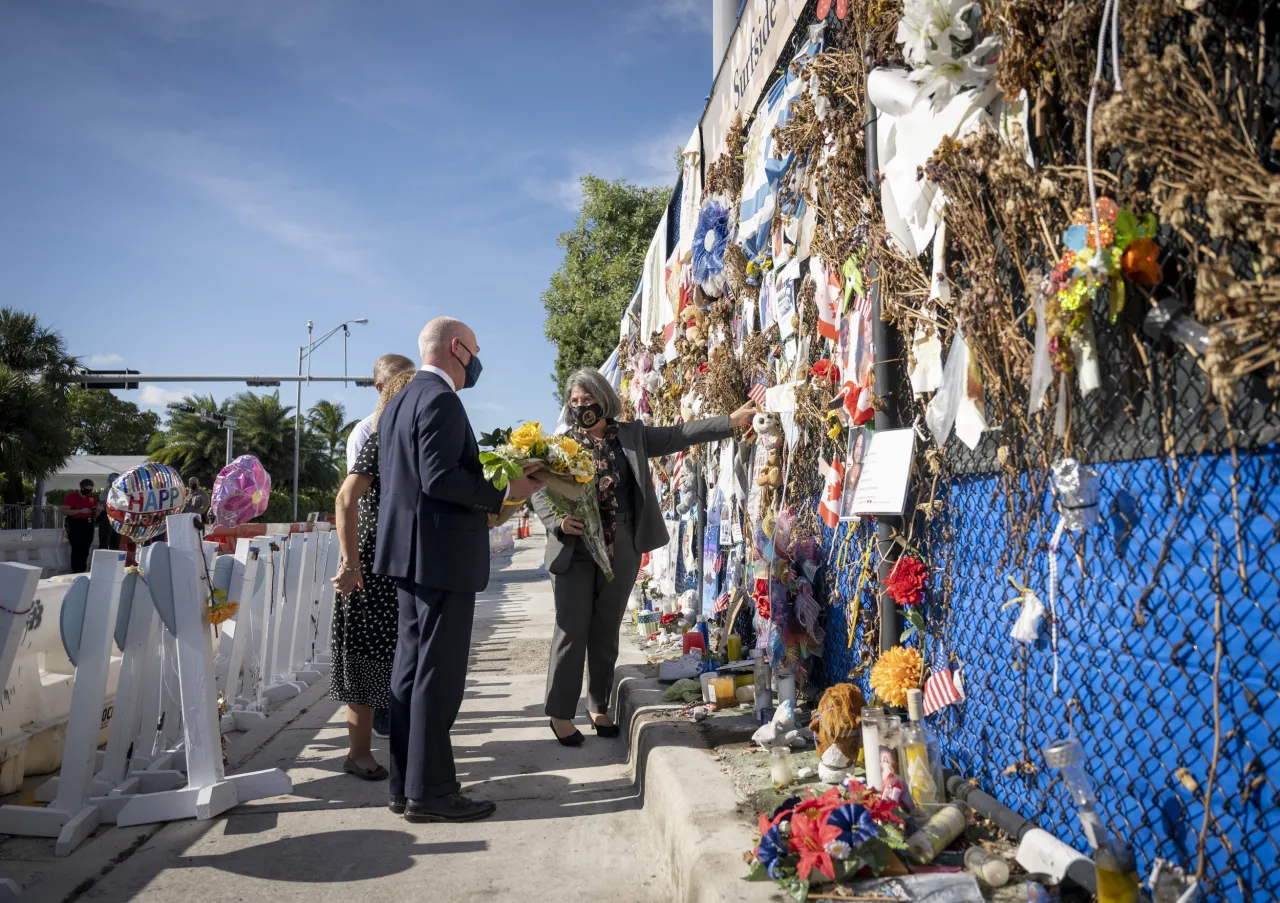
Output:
(589, 612)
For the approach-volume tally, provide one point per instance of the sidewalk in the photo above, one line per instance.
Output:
(568, 821)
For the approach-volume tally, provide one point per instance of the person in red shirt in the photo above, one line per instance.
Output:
(78, 511)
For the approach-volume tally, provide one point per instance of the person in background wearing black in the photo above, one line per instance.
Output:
(197, 500)
(78, 512)
(107, 537)
(434, 518)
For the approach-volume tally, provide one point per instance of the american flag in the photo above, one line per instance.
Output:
(756, 392)
(676, 469)
(940, 689)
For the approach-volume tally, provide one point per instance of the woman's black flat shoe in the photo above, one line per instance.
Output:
(609, 731)
(574, 739)
(365, 774)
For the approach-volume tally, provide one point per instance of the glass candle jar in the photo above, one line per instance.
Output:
(781, 767)
(724, 689)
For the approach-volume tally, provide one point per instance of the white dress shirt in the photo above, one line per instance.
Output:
(440, 373)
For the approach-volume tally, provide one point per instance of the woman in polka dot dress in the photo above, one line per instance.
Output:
(366, 611)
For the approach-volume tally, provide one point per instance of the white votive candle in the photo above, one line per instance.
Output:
(871, 745)
(781, 768)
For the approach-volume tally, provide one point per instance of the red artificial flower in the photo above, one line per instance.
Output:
(809, 838)
(906, 581)
(824, 8)
(822, 804)
(881, 809)
(826, 369)
(766, 822)
(762, 606)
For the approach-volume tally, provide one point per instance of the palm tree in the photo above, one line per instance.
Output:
(35, 429)
(266, 430)
(328, 420)
(196, 448)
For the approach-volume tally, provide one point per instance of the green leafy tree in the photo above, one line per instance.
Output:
(266, 430)
(603, 259)
(328, 420)
(35, 372)
(194, 447)
(103, 424)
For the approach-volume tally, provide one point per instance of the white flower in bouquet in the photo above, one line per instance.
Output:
(940, 39)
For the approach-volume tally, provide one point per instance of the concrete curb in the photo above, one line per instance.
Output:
(690, 803)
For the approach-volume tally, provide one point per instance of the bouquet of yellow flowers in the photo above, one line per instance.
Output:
(564, 468)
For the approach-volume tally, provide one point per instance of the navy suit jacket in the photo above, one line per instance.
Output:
(433, 518)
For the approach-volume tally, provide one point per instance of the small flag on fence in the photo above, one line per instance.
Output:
(941, 689)
(833, 486)
(756, 392)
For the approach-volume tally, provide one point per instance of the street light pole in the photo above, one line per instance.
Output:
(297, 437)
(297, 411)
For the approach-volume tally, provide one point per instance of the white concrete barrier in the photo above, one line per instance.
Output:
(45, 549)
(37, 694)
(88, 623)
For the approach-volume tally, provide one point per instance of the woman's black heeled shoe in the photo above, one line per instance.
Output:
(608, 731)
(574, 739)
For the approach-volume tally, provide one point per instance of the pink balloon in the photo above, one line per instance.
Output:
(240, 492)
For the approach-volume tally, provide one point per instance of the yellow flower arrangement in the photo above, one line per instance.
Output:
(897, 671)
(568, 446)
(528, 435)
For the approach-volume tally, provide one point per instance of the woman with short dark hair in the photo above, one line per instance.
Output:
(589, 607)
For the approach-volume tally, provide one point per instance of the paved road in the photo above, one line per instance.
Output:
(568, 825)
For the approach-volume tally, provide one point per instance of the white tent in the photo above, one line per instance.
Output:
(92, 467)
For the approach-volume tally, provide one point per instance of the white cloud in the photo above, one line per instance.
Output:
(259, 197)
(159, 396)
(104, 360)
(648, 161)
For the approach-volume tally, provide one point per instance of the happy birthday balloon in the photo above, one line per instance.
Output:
(140, 499)
(240, 492)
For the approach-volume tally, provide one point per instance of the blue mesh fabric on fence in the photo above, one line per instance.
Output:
(1136, 688)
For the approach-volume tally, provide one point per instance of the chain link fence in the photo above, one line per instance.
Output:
(1167, 606)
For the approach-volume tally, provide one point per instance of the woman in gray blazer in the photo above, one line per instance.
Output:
(589, 607)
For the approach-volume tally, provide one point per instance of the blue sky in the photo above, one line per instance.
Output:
(187, 182)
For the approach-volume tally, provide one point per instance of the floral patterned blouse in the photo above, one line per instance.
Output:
(612, 470)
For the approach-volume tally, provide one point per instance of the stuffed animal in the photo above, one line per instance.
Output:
(838, 720)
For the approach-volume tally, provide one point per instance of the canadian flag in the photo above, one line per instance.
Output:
(857, 402)
(829, 287)
(833, 486)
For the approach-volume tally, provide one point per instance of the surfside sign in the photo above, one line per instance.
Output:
(760, 37)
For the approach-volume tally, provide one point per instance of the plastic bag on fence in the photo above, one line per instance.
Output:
(585, 508)
(1041, 366)
(944, 406)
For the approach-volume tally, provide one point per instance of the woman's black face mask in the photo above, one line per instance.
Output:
(587, 415)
